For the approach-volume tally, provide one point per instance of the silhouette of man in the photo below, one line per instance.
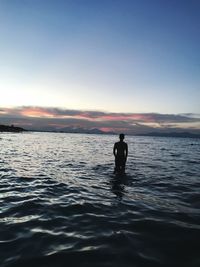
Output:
(120, 151)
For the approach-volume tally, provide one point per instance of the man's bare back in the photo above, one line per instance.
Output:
(120, 151)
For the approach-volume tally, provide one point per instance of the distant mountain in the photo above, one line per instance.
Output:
(73, 130)
(6, 128)
(172, 134)
(83, 130)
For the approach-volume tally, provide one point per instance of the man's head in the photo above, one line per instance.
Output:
(121, 137)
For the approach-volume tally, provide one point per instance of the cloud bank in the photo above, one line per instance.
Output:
(50, 118)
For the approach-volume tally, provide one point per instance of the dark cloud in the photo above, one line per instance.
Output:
(57, 118)
(170, 118)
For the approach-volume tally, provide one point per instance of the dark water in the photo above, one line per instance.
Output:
(60, 204)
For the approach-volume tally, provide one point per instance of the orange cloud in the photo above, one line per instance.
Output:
(36, 112)
(45, 117)
(42, 112)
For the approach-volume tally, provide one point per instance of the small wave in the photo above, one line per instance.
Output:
(68, 208)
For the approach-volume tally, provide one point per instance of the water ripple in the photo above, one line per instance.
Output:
(62, 206)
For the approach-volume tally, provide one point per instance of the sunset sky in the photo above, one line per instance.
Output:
(130, 65)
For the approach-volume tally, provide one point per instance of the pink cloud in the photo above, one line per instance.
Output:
(130, 117)
(36, 112)
(40, 117)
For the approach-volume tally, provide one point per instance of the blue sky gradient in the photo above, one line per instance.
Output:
(114, 56)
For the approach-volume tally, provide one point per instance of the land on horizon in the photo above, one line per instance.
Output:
(12, 128)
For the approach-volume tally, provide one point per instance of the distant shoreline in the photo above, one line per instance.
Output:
(11, 129)
(172, 134)
(178, 135)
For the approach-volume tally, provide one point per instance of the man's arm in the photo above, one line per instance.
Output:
(114, 150)
(126, 151)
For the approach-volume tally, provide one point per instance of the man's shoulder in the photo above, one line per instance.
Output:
(121, 143)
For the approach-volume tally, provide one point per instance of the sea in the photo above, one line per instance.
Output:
(61, 205)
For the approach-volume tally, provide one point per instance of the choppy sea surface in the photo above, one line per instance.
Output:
(61, 205)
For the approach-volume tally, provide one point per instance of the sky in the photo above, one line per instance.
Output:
(123, 59)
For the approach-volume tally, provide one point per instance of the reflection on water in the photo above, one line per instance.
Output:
(118, 184)
(61, 204)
